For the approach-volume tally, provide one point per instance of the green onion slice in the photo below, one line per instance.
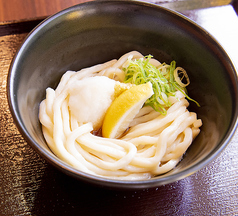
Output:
(165, 79)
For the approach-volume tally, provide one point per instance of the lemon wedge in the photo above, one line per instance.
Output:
(124, 108)
(90, 98)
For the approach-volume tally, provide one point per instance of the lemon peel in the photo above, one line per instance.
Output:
(124, 108)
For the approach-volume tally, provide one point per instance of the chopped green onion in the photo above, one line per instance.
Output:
(165, 79)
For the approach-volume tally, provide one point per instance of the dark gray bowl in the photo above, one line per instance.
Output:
(98, 31)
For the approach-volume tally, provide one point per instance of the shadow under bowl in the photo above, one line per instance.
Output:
(95, 32)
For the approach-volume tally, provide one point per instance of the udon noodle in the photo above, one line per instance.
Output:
(154, 143)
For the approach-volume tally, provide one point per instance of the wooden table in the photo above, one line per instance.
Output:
(12, 10)
(31, 186)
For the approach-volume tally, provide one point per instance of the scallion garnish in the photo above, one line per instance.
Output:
(165, 79)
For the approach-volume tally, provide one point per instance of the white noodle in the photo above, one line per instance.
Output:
(153, 145)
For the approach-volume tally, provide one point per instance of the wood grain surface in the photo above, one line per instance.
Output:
(17, 10)
(32, 9)
(31, 186)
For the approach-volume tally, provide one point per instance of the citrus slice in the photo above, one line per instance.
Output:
(90, 98)
(124, 108)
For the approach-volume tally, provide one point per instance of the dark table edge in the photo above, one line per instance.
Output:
(19, 27)
(235, 5)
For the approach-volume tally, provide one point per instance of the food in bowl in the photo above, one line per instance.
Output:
(98, 31)
(124, 119)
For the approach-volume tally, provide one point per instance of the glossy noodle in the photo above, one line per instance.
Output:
(154, 143)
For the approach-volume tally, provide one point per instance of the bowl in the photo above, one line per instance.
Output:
(98, 31)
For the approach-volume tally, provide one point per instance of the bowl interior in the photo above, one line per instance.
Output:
(95, 32)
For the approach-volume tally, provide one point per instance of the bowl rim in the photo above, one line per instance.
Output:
(97, 180)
